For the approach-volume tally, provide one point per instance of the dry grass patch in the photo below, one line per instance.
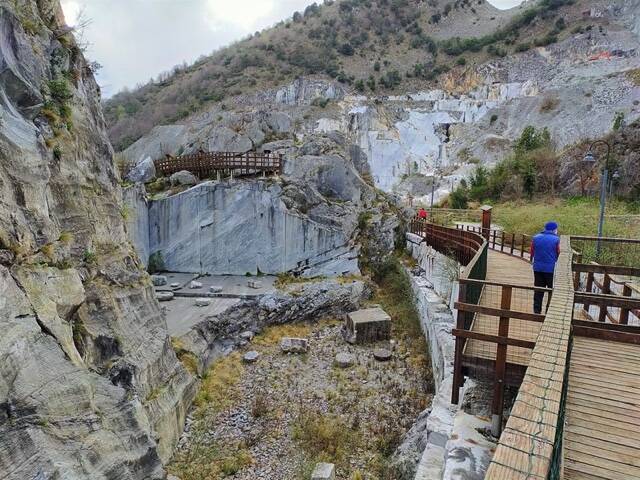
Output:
(208, 461)
(218, 390)
(187, 358)
(324, 437)
(272, 335)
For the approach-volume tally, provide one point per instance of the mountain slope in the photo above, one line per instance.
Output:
(371, 45)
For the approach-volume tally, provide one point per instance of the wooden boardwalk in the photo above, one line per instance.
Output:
(508, 269)
(602, 429)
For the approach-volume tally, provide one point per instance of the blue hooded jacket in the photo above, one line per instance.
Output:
(545, 249)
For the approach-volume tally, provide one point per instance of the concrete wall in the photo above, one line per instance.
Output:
(231, 228)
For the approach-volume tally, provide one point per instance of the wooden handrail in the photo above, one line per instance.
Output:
(498, 312)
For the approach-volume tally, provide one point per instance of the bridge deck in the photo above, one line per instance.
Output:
(602, 411)
(505, 268)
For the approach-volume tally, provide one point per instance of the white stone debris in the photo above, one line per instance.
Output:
(344, 359)
(294, 345)
(324, 471)
(251, 357)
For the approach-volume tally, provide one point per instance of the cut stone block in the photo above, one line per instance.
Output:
(175, 285)
(294, 345)
(158, 280)
(194, 285)
(324, 471)
(215, 289)
(367, 326)
(254, 284)
(164, 296)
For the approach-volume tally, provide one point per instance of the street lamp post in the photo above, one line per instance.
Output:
(604, 182)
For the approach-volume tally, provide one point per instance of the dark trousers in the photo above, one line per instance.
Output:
(541, 279)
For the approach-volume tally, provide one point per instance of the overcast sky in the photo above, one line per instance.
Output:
(135, 40)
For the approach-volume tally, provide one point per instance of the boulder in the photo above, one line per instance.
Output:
(382, 354)
(203, 302)
(175, 285)
(195, 285)
(158, 280)
(344, 359)
(183, 177)
(324, 471)
(144, 171)
(6, 257)
(251, 357)
(294, 345)
(215, 289)
(247, 335)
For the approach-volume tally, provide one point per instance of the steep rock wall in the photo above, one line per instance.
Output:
(243, 227)
(89, 385)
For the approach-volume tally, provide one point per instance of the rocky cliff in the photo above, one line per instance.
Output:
(89, 384)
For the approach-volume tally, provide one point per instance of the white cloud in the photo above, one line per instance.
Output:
(240, 13)
(135, 40)
(71, 10)
(504, 4)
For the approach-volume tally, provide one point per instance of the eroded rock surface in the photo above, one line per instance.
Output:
(89, 384)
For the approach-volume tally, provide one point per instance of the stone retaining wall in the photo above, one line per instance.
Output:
(453, 446)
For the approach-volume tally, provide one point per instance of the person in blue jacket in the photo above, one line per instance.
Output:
(545, 250)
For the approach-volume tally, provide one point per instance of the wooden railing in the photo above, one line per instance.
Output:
(613, 289)
(514, 244)
(206, 164)
(462, 245)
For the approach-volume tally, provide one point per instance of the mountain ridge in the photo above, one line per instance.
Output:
(369, 46)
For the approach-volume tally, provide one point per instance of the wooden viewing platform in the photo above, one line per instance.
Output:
(207, 164)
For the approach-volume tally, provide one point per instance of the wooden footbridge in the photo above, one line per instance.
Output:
(577, 365)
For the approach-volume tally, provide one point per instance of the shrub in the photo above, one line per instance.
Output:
(549, 104)
(461, 61)
(618, 121)
(60, 89)
(346, 49)
(459, 198)
(391, 79)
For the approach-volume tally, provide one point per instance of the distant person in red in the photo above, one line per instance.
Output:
(422, 214)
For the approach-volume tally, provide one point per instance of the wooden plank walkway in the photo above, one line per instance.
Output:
(525, 449)
(602, 416)
(505, 268)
